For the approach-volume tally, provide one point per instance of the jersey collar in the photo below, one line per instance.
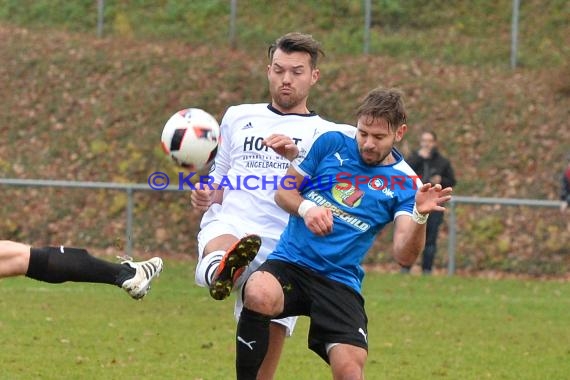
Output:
(275, 110)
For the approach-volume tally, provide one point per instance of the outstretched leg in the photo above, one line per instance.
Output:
(14, 258)
(60, 264)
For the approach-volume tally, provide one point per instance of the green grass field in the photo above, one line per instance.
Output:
(420, 328)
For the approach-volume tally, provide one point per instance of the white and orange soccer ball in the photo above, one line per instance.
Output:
(190, 137)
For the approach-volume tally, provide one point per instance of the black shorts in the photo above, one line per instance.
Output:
(336, 310)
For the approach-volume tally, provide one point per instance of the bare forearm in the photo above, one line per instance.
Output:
(288, 197)
(409, 240)
(288, 200)
(410, 231)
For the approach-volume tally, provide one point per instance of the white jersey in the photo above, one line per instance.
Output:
(250, 172)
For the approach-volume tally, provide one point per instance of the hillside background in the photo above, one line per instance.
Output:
(78, 107)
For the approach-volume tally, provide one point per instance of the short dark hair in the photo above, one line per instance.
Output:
(382, 103)
(297, 42)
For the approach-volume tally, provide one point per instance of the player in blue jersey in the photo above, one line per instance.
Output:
(60, 264)
(342, 190)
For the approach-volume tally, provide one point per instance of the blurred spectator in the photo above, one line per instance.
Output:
(432, 167)
(565, 186)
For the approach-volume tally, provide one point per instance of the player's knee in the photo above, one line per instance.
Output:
(8, 247)
(347, 363)
(349, 373)
(349, 370)
(263, 294)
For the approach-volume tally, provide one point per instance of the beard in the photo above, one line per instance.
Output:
(286, 102)
(377, 159)
(289, 100)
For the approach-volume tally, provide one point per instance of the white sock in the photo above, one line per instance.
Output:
(207, 267)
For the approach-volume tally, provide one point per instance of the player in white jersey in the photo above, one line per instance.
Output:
(257, 142)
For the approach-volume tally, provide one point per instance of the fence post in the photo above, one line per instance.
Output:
(129, 221)
(233, 13)
(514, 33)
(451, 240)
(367, 22)
(100, 15)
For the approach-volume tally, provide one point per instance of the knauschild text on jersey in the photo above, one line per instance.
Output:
(336, 211)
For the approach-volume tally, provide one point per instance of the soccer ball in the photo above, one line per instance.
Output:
(190, 138)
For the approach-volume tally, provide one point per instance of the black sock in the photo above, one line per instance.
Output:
(61, 264)
(252, 340)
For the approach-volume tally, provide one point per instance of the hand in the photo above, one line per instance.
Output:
(282, 145)
(435, 179)
(430, 197)
(563, 206)
(424, 153)
(319, 220)
(202, 199)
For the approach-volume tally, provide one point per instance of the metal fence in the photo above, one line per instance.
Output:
(130, 188)
(452, 221)
(366, 29)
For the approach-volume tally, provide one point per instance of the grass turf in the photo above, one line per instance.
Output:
(419, 328)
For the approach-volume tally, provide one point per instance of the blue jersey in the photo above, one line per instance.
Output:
(363, 199)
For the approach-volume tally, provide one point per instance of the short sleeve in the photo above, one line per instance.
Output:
(311, 153)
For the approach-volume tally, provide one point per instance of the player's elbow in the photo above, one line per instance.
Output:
(405, 261)
(406, 257)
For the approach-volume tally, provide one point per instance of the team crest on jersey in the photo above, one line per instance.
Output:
(377, 183)
(348, 195)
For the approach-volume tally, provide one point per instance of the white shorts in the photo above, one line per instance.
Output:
(217, 228)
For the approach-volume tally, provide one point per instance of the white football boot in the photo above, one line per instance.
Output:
(139, 285)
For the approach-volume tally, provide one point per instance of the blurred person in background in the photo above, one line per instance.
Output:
(565, 185)
(432, 167)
